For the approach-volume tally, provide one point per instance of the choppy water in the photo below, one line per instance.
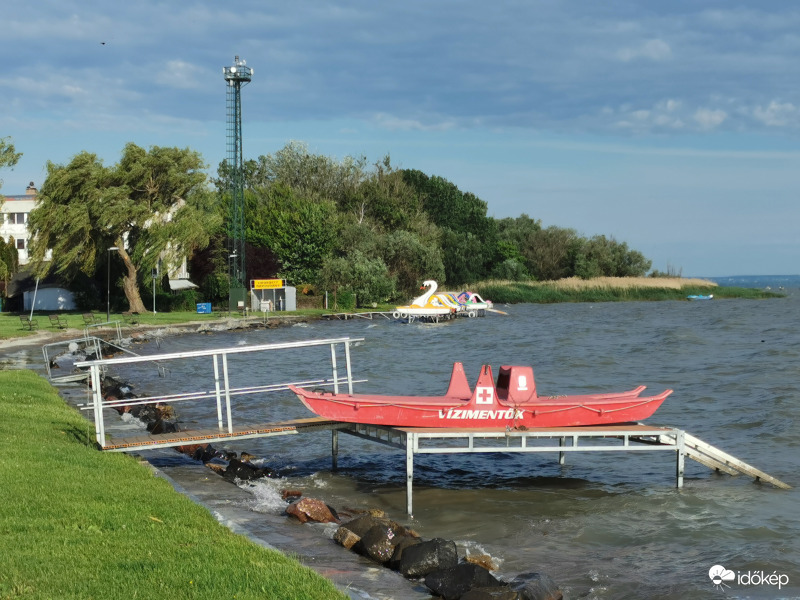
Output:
(604, 526)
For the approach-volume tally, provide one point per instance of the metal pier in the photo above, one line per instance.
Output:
(412, 441)
(88, 344)
(561, 440)
(344, 316)
(221, 394)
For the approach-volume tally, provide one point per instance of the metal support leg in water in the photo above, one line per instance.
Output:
(561, 455)
(679, 466)
(410, 439)
(334, 449)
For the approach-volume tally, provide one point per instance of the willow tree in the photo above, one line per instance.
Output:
(8, 158)
(154, 204)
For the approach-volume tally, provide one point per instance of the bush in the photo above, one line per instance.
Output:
(185, 300)
(343, 299)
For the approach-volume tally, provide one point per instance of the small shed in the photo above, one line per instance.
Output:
(267, 295)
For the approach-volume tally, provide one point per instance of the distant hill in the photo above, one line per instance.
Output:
(758, 281)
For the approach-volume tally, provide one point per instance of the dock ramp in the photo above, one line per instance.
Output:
(719, 460)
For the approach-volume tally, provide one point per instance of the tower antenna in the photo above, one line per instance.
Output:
(236, 76)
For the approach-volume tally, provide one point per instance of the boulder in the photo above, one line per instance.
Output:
(453, 582)
(344, 537)
(483, 560)
(191, 449)
(218, 469)
(379, 541)
(405, 542)
(311, 509)
(245, 471)
(423, 558)
(536, 586)
(291, 495)
(362, 524)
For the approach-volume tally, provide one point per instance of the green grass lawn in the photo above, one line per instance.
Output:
(11, 327)
(78, 523)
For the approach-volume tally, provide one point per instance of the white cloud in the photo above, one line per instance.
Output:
(776, 114)
(179, 74)
(709, 118)
(393, 123)
(655, 49)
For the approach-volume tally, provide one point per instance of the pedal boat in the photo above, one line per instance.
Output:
(428, 306)
(473, 304)
(512, 402)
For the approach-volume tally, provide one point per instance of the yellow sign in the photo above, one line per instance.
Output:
(267, 284)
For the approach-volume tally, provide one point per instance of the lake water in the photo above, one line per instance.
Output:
(604, 525)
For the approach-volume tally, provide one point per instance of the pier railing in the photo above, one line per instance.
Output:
(223, 390)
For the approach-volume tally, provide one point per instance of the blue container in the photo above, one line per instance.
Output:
(204, 308)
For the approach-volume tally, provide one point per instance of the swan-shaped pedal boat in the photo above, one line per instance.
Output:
(511, 402)
(428, 306)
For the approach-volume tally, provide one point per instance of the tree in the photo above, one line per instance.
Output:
(367, 278)
(549, 253)
(294, 166)
(152, 205)
(299, 230)
(8, 157)
(411, 261)
(469, 236)
(601, 256)
(9, 260)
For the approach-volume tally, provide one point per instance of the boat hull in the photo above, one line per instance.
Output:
(442, 413)
(512, 402)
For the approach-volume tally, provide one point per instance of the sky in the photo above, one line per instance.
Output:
(672, 126)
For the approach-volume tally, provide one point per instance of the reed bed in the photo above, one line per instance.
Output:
(609, 289)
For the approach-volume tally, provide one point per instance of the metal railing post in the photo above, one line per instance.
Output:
(227, 392)
(410, 443)
(333, 366)
(97, 398)
(349, 370)
(216, 387)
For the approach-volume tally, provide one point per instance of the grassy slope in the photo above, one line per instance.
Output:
(77, 523)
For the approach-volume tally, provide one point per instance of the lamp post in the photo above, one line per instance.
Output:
(108, 285)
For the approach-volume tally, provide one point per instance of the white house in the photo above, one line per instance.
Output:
(14, 215)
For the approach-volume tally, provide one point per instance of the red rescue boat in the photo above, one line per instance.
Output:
(510, 402)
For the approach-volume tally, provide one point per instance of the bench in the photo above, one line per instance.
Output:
(29, 324)
(57, 321)
(89, 319)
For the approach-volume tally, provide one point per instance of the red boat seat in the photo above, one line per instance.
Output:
(515, 384)
(459, 386)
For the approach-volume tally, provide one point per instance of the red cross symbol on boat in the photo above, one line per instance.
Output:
(484, 395)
